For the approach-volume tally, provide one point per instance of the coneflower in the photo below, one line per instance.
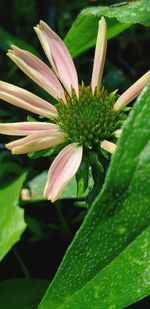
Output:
(85, 117)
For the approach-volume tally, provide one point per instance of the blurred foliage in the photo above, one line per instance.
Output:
(28, 293)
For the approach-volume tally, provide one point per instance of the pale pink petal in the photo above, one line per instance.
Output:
(108, 146)
(58, 56)
(132, 92)
(117, 133)
(62, 170)
(26, 100)
(37, 70)
(100, 54)
(27, 128)
(25, 194)
(36, 141)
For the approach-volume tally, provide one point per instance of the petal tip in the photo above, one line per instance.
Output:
(43, 24)
(102, 20)
(132, 92)
(14, 47)
(9, 53)
(108, 146)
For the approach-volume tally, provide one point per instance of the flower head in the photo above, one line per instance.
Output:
(85, 118)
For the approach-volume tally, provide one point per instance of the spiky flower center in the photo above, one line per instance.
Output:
(90, 118)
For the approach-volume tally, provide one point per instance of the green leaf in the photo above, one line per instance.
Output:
(21, 293)
(37, 184)
(120, 283)
(119, 214)
(12, 222)
(83, 32)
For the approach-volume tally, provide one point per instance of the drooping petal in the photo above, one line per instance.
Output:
(58, 56)
(36, 141)
(62, 170)
(37, 70)
(27, 128)
(108, 146)
(26, 100)
(100, 54)
(132, 92)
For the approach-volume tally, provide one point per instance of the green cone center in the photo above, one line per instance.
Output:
(90, 118)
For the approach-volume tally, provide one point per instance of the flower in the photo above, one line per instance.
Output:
(84, 118)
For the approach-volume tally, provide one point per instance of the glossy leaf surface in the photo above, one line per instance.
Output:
(112, 238)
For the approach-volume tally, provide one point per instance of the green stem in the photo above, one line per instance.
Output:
(62, 219)
(21, 263)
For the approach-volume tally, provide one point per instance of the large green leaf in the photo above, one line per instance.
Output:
(21, 293)
(119, 214)
(83, 32)
(121, 283)
(12, 222)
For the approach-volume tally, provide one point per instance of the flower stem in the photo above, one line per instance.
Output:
(21, 263)
(62, 219)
